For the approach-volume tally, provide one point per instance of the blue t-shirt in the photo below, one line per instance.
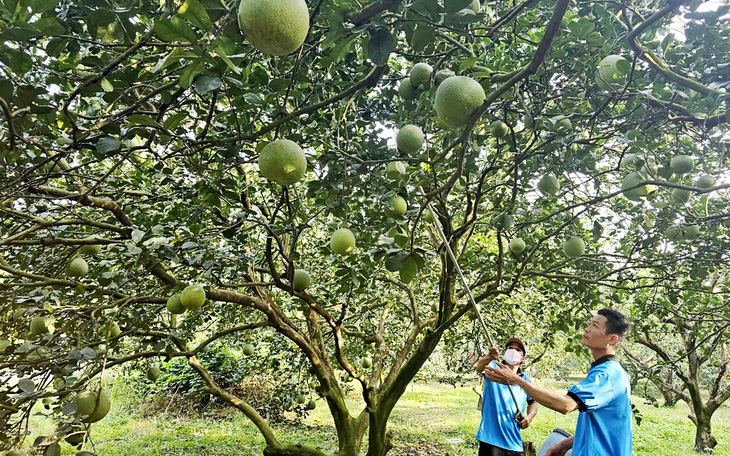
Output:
(604, 400)
(498, 426)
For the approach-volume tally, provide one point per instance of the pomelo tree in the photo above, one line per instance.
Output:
(208, 156)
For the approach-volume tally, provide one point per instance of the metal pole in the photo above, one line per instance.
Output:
(468, 293)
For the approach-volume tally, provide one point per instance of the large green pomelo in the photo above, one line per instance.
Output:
(406, 90)
(94, 405)
(248, 349)
(111, 329)
(692, 232)
(90, 249)
(409, 139)
(77, 268)
(274, 27)
(705, 181)
(302, 279)
(174, 305)
(608, 75)
(342, 241)
(421, 75)
(499, 129)
(153, 373)
(681, 195)
(38, 326)
(548, 185)
(665, 171)
(311, 405)
(456, 100)
(503, 222)
(517, 245)
(192, 297)
(631, 180)
(574, 247)
(16, 452)
(395, 170)
(682, 164)
(442, 75)
(300, 398)
(396, 207)
(283, 162)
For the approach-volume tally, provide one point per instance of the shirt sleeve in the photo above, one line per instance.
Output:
(594, 392)
(527, 377)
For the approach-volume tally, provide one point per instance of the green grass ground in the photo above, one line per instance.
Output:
(429, 420)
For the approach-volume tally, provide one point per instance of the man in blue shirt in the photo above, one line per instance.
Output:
(603, 398)
(499, 431)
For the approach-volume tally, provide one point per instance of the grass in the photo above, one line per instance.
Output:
(429, 420)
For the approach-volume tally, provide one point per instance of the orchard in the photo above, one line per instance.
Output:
(177, 174)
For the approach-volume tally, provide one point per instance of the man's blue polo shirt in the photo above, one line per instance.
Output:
(498, 426)
(604, 400)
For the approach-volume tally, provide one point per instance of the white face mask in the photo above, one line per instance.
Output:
(512, 356)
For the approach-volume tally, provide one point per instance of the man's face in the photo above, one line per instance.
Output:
(515, 346)
(594, 336)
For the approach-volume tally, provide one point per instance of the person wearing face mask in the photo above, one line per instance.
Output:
(499, 431)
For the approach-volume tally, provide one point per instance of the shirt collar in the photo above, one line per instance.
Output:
(603, 359)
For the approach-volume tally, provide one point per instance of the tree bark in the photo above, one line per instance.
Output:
(704, 440)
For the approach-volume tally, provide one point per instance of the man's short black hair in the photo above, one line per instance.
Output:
(616, 323)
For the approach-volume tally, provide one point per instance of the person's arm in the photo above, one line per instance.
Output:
(560, 448)
(530, 415)
(482, 362)
(559, 402)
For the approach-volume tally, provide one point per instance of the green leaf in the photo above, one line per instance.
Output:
(173, 57)
(141, 119)
(106, 144)
(452, 6)
(252, 98)
(106, 85)
(194, 13)
(408, 270)
(41, 6)
(175, 29)
(380, 45)
(175, 120)
(188, 75)
(205, 84)
(26, 385)
(49, 26)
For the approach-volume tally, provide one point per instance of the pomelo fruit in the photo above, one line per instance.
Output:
(406, 90)
(396, 207)
(503, 222)
(311, 405)
(499, 129)
(95, 405)
(395, 170)
(705, 181)
(300, 398)
(274, 27)
(192, 297)
(691, 232)
(574, 247)
(153, 373)
(548, 185)
(409, 139)
(681, 195)
(174, 305)
(77, 268)
(609, 76)
(248, 349)
(38, 326)
(442, 75)
(283, 162)
(631, 180)
(456, 100)
(90, 249)
(366, 363)
(665, 172)
(301, 280)
(111, 329)
(420, 75)
(682, 164)
(342, 241)
(517, 246)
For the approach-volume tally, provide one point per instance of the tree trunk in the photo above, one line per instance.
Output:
(379, 439)
(704, 440)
